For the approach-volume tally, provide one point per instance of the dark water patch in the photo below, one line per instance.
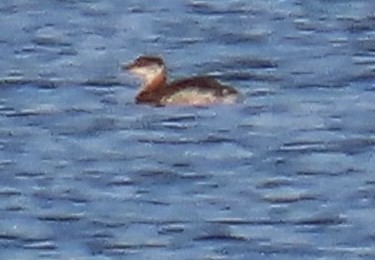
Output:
(102, 125)
(239, 221)
(167, 177)
(232, 38)
(102, 82)
(67, 51)
(8, 237)
(353, 146)
(276, 182)
(50, 41)
(89, 127)
(253, 110)
(15, 208)
(28, 50)
(138, 10)
(154, 202)
(180, 118)
(176, 126)
(253, 62)
(61, 218)
(324, 173)
(8, 192)
(217, 233)
(305, 25)
(156, 122)
(21, 82)
(159, 222)
(217, 139)
(92, 173)
(67, 195)
(320, 220)
(248, 76)
(289, 198)
(171, 229)
(107, 223)
(124, 247)
(288, 250)
(219, 237)
(157, 173)
(348, 146)
(89, 160)
(210, 139)
(260, 92)
(204, 8)
(8, 8)
(241, 37)
(181, 165)
(365, 76)
(367, 45)
(167, 140)
(358, 25)
(325, 85)
(239, 63)
(14, 144)
(76, 111)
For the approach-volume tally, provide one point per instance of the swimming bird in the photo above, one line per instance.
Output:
(195, 91)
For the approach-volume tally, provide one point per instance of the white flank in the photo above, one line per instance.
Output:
(194, 96)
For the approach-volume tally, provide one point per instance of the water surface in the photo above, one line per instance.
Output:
(287, 174)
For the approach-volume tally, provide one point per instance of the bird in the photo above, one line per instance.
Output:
(193, 91)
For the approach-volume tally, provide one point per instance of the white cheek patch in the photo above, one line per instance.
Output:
(149, 73)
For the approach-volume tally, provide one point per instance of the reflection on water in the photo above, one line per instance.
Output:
(287, 173)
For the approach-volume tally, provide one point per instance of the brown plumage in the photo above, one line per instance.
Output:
(190, 91)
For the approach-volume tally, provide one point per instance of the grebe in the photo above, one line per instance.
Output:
(196, 91)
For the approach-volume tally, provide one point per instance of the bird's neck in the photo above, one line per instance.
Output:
(155, 82)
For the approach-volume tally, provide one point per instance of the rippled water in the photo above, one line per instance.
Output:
(287, 174)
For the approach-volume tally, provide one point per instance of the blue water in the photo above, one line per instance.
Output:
(85, 173)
